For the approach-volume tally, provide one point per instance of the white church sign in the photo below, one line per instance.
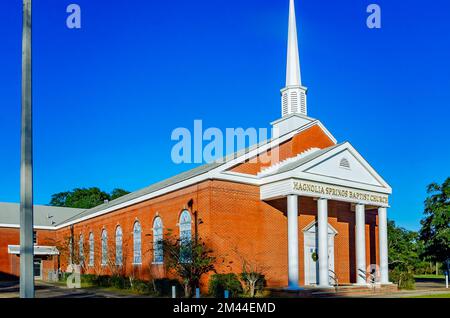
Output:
(308, 188)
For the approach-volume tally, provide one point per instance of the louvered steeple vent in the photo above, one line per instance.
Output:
(293, 96)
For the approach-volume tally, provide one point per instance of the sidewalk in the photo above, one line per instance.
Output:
(424, 287)
(48, 290)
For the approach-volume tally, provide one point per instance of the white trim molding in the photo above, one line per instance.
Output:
(308, 188)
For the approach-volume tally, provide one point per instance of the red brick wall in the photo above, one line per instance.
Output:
(258, 232)
(235, 223)
(168, 207)
(313, 137)
(9, 263)
(8, 236)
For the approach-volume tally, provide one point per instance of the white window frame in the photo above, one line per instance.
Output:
(158, 236)
(185, 225)
(137, 243)
(104, 247)
(70, 249)
(119, 246)
(91, 249)
(81, 248)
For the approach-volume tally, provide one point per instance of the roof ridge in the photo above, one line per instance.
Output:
(286, 161)
(183, 176)
(299, 161)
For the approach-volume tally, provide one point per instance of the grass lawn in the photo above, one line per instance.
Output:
(432, 276)
(63, 283)
(431, 296)
(89, 285)
(125, 291)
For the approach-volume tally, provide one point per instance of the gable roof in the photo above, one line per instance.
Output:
(215, 170)
(201, 171)
(44, 216)
(195, 172)
(306, 168)
(147, 190)
(297, 163)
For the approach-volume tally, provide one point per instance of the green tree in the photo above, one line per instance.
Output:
(188, 260)
(84, 198)
(435, 231)
(405, 248)
(117, 193)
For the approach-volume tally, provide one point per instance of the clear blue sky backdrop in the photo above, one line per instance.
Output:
(107, 97)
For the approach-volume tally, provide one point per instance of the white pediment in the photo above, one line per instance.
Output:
(345, 164)
(335, 173)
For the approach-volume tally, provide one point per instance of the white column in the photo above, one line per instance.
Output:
(360, 237)
(383, 244)
(322, 228)
(292, 214)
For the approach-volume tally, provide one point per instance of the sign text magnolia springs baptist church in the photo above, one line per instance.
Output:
(338, 192)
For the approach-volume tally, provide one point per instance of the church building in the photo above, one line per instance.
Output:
(317, 216)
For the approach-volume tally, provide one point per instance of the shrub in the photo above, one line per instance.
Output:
(120, 282)
(404, 279)
(218, 283)
(88, 279)
(163, 286)
(103, 281)
(141, 286)
(63, 277)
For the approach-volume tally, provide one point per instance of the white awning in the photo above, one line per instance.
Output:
(38, 250)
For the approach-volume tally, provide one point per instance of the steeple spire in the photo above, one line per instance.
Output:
(293, 96)
(293, 77)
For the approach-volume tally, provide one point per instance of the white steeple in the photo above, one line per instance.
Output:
(293, 96)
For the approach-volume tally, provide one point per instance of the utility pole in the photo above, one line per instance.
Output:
(26, 164)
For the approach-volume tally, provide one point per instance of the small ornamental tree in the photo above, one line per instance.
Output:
(253, 277)
(189, 260)
(252, 273)
(69, 250)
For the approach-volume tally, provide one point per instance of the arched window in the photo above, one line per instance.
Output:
(70, 250)
(118, 245)
(185, 236)
(158, 254)
(137, 259)
(91, 249)
(81, 249)
(104, 247)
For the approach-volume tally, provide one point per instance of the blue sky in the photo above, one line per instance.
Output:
(107, 97)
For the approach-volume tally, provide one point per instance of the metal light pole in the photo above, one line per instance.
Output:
(26, 164)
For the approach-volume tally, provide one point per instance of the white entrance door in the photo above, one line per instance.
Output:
(311, 254)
